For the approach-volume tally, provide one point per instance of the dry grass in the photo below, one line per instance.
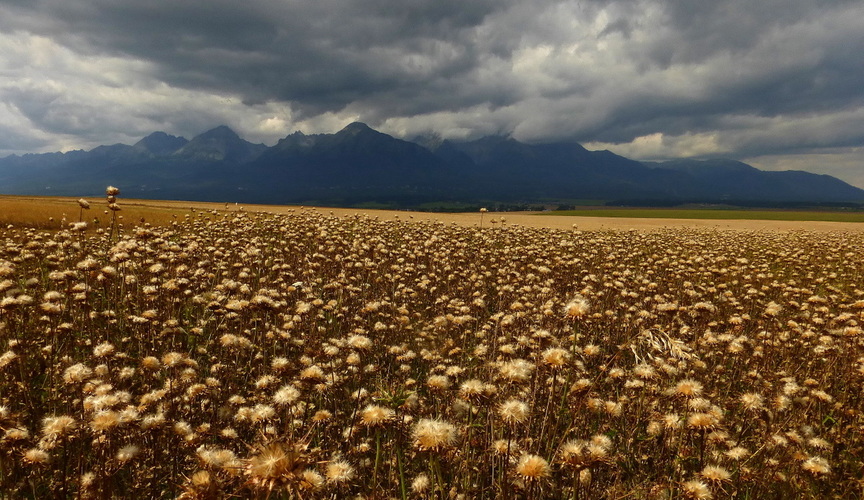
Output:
(44, 212)
(314, 355)
(33, 211)
(535, 220)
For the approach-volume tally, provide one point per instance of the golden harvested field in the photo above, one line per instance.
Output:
(528, 219)
(34, 211)
(236, 354)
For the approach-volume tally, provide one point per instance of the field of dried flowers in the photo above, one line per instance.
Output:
(314, 355)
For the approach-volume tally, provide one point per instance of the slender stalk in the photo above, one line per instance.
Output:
(377, 458)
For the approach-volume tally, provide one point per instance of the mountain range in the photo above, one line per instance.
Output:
(360, 165)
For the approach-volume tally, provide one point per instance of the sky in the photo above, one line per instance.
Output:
(778, 84)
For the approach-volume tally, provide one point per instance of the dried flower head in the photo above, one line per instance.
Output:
(127, 453)
(688, 388)
(438, 382)
(513, 411)
(36, 456)
(374, 415)
(715, 473)
(57, 427)
(517, 370)
(532, 467)
(752, 401)
(277, 466)
(420, 484)
(433, 434)
(576, 308)
(555, 357)
(697, 490)
(817, 466)
(339, 472)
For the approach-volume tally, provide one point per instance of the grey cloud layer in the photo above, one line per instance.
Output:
(318, 55)
(747, 78)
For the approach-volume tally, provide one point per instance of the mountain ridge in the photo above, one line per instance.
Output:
(359, 164)
(160, 144)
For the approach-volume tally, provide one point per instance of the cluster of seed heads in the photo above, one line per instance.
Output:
(308, 355)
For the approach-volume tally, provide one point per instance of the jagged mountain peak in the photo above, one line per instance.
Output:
(222, 132)
(360, 132)
(220, 144)
(355, 128)
(160, 144)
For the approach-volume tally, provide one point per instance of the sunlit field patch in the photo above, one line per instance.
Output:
(308, 355)
(59, 213)
(715, 214)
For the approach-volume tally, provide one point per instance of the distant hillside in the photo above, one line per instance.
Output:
(359, 165)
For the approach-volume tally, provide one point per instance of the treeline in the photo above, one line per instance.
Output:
(732, 204)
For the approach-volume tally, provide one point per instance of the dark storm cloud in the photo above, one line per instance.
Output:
(324, 55)
(318, 55)
(657, 78)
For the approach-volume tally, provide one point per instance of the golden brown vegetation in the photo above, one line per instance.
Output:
(311, 355)
(59, 213)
